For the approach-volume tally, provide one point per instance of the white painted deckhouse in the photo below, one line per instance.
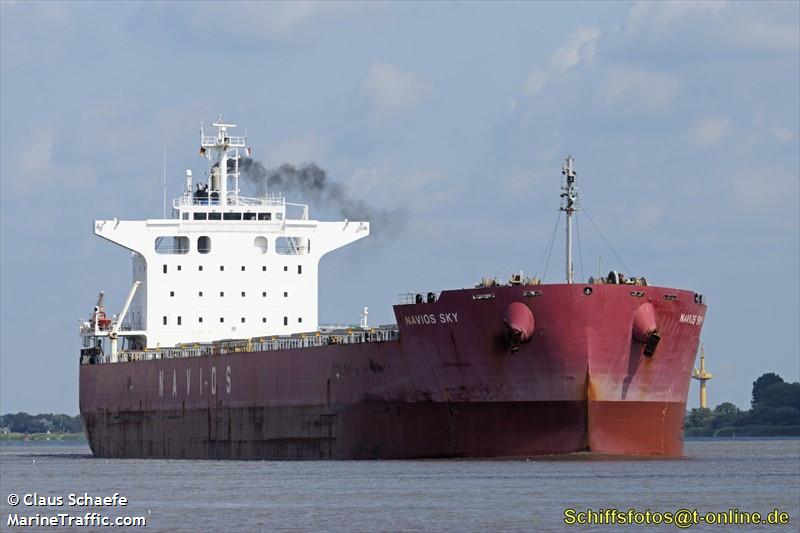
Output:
(224, 266)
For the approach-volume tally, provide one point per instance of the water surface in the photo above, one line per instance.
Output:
(436, 495)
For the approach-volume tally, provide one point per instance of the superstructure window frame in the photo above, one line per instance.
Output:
(171, 245)
(204, 244)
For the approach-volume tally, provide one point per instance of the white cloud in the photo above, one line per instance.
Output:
(665, 12)
(711, 25)
(709, 130)
(38, 165)
(266, 20)
(765, 35)
(782, 134)
(578, 49)
(638, 90)
(36, 161)
(393, 89)
(536, 82)
(306, 149)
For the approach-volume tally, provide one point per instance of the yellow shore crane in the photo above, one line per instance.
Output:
(702, 376)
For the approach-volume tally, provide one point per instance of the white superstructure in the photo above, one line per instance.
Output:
(225, 266)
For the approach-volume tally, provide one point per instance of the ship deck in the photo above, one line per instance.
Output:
(313, 339)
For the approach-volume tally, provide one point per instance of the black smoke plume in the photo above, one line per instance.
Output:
(309, 184)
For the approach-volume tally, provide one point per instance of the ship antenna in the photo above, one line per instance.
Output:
(569, 206)
(220, 149)
(164, 176)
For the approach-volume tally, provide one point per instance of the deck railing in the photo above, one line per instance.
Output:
(231, 140)
(258, 344)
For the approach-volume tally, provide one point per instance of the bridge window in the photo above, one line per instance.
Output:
(215, 216)
(249, 216)
(292, 245)
(232, 216)
(261, 244)
(203, 245)
(265, 216)
(172, 245)
(200, 216)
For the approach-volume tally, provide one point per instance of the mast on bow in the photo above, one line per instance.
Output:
(569, 205)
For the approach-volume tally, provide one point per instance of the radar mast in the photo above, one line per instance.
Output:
(219, 149)
(569, 206)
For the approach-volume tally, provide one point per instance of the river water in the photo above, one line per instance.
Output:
(436, 495)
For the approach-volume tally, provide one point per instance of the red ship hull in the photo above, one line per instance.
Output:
(453, 385)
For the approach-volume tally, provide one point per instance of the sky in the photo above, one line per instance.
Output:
(683, 119)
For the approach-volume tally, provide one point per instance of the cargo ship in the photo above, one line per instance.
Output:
(217, 352)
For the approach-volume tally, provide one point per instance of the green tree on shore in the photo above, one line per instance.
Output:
(762, 384)
(41, 423)
(774, 403)
(726, 414)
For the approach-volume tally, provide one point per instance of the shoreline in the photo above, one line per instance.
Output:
(43, 437)
(79, 438)
(735, 432)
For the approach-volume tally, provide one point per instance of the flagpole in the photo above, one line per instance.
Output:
(164, 173)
